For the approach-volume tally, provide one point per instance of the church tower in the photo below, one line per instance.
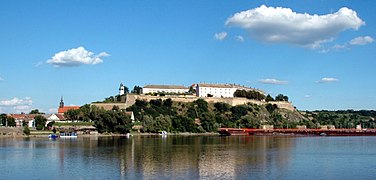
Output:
(121, 89)
(61, 102)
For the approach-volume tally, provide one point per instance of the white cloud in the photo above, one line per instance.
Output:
(239, 38)
(220, 36)
(272, 81)
(327, 80)
(307, 96)
(338, 46)
(354, 42)
(362, 40)
(17, 102)
(76, 57)
(282, 25)
(22, 107)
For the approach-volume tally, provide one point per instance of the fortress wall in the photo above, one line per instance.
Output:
(131, 99)
(109, 106)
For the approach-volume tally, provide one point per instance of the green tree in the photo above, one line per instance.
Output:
(40, 122)
(269, 98)
(238, 112)
(249, 122)
(111, 121)
(271, 107)
(222, 107)
(35, 111)
(240, 93)
(251, 94)
(137, 90)
(163, 123)
(183, 124)
(167, 103)
(84, 113)
(126, 90)
(115, 108)
(208, 122)
(148, 124)
(201, 105)
(11, 121)
(26, 130)
(3, 119)
(72, 114)
(281, 97)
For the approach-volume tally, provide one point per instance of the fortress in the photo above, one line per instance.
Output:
(211, 93)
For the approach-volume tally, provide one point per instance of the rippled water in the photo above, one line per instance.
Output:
(189, 157)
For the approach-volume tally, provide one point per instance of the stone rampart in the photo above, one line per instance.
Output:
(131, 99)
(109, 106)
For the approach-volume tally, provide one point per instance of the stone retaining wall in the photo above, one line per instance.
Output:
(11, 132)
(131, 99)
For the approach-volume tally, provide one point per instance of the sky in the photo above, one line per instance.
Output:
(319, 53)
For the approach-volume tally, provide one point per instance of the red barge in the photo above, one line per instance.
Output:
(308, 132)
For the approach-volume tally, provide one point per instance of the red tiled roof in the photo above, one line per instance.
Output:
(23, 116)
(60, 116)
(66, 108)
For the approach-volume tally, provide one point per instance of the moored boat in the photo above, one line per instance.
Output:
(232, 131)
(68, 135)
(53, 136)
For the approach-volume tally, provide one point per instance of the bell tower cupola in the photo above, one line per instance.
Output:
(121, 89)
(61, 102)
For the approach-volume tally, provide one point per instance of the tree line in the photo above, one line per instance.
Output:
(341, 118)
(256, 95)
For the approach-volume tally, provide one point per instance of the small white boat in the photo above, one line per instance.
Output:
(68, 135)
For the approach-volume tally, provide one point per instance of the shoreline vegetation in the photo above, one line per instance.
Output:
(199, 117)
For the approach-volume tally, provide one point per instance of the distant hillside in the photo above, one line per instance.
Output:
(342, 118)
(201, 116)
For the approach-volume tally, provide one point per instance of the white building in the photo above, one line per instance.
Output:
(164, 89)
(121, 89)
(29, 119)
(220, 90)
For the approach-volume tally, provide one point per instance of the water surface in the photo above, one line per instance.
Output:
(189, 157)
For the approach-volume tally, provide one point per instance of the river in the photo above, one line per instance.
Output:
(189, 157)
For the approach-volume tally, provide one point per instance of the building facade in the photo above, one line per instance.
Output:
(29, 119)
(220, 90)
(121, 89)
(63, 109)
(165, 89)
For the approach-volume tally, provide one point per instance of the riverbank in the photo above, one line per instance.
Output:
(46, 133)
(11, 132)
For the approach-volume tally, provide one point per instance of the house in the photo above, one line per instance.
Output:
(220, 90)
(63, 109)
(173, 89)
(54, 117)
(29, 119)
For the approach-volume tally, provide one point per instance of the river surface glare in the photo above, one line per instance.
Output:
(189, 157)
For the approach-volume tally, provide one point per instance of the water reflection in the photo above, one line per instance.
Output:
(186, 157)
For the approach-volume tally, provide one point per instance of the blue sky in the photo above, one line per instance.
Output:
(319, 53)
